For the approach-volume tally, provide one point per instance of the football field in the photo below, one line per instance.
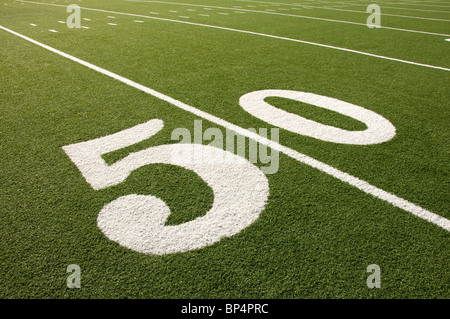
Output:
(224, 149)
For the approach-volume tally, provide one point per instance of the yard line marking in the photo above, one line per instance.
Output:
(112, 23)
(32, 24)
(323, 167)
(51, 30)
(184, 17)
(154, 12)
(258, 34)
(383, 4)
(61, 22)
(111, 17)
(347, 10)
(138, 21)
(86, 19)
(204, 15)
(417, 4)
(299, 16)
(413, 9)
(222, 13)
(84, 27)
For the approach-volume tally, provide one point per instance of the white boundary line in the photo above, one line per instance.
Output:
(417, 4)
(382, 5)
(291, 15)
(347, 178)
(255, 33)
(336, 9)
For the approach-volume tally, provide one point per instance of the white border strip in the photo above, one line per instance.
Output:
(416, 3)
(255, 33)
(348, 4)
(291, 15)
(336, 9)
(347, 178)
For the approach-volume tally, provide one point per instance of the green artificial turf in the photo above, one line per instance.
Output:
(316, 235)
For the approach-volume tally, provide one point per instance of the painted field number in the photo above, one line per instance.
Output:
(240, 188)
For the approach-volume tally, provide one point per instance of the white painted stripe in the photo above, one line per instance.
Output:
(61, 22)
(111, 17)
(154, 12)
(347, 178)
(204, 15)
(86, 19)
(417, 4)
(387, 7)
(32, 24)
(51, 30)
(84, 27)
(346, 10)
(184, 17)
(414, 9)
(112, 23)
(138, 21)
(258, 34)
(297, 16)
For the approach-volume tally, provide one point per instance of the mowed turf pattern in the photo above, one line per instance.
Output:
(316, 235)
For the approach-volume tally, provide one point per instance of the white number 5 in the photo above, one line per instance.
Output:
(138, 221)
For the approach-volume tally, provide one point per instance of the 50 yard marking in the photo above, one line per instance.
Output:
(345, 177)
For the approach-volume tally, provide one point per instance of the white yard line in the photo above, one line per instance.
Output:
(346, 10)
(382, 5)
(334, 172)
(295, 16)
(416, 4)
(257, 34)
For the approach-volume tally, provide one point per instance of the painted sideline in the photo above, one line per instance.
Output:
(290, 15)
(383, 4)
(347, 178)
(253, 33)
(336, 9)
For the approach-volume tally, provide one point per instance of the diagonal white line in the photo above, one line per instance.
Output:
(418, 4)
(292, 15)
(346, 10)
(347, 178)
(255, 33)
(384, 6)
